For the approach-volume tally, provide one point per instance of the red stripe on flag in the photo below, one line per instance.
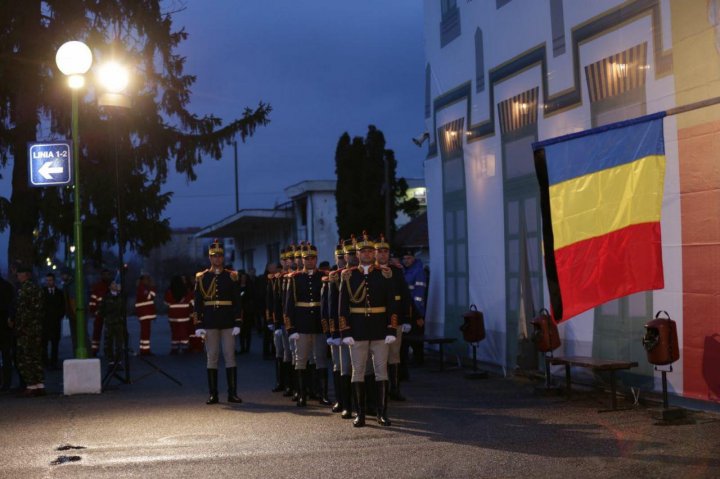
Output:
(597, 270)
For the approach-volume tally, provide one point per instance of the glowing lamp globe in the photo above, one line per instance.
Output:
(74, 58)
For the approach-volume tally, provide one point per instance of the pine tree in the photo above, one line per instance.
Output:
(158, 130)
(360, 193)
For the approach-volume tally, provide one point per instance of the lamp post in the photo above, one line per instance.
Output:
(74, 59)
(114, 78)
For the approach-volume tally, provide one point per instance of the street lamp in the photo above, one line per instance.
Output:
(114, 78)
(74, 59)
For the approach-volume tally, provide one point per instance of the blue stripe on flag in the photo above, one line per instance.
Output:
(601, 148)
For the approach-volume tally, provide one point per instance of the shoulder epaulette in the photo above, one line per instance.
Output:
(233, 274)
(200, 273)
(325, 279)
(333, 275)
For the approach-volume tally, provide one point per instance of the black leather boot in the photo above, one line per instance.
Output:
(287, 370)
(382, 400)
(212, 375)
(394, 376)
(232, 385)
(312, 382)
(359, 390)
(302, 375)
(370, 403)
(338, 406)
(279, 378)
(346, 394)
(323, 381)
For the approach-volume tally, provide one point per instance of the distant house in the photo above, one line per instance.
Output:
(254, 237)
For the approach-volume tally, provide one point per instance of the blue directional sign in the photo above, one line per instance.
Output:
(50, 163)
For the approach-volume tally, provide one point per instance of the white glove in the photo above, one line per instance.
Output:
(337, 341)
(406, 328)
(349, 341)
(271, 327)
(389, 339)
(278, 332)
(235, 331)
(330, 341)
(294, 336)
(200, 332)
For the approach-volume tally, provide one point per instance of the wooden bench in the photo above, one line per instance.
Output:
(441, 341)
(596, 365)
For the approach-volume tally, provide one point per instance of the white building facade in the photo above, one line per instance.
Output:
(502, 74)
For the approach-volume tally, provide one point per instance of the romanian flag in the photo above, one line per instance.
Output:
(601, 197)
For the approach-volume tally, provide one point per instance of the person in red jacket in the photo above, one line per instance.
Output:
(179, 300)
(145, 311)
(97, 292)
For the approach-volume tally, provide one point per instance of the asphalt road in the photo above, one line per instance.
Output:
(451, 427)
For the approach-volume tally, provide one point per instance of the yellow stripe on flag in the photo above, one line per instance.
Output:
(599, 203)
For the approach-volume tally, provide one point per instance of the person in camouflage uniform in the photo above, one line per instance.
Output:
(28, 321)
(110, 308)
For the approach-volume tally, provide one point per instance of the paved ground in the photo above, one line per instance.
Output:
(450, 428)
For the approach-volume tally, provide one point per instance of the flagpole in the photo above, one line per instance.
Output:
(693, 106)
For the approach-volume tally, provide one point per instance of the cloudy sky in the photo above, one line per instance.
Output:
(325, 66)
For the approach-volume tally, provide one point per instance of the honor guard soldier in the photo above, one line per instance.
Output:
(294, 258)
(274, 316)
(342, 365)
(404, 309)
(368, 324)
(218, 309)
(304, 326)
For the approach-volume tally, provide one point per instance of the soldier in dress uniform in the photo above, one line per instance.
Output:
(303, 324)
(368, 324)
(342, 367)
(404, 309)
(146, 311)
(274, 317)
(218, 309)
(28, 323)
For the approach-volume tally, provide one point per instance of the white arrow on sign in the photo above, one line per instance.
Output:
(46, 170)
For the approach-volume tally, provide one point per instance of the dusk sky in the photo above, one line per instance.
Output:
(325, 67)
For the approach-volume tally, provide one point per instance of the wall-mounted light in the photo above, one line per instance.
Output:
(620, 69)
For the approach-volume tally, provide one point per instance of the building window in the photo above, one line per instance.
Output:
(450, 23)
(427, 91)
(557, 23)
(479, 62)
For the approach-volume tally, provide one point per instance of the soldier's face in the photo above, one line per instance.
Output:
(217, 260)
(382, 256)
(310, 262)
(340, 261)
(351, 259)
(367, 256)
(408, 260)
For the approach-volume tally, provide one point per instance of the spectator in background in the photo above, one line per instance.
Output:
(98, 291)
(417, 283)
(179, 300)
(52, 325)
(7, 306)
(146, 311)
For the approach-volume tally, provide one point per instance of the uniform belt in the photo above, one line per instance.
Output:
(312, 304)
(378, 310)
(218, 303)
